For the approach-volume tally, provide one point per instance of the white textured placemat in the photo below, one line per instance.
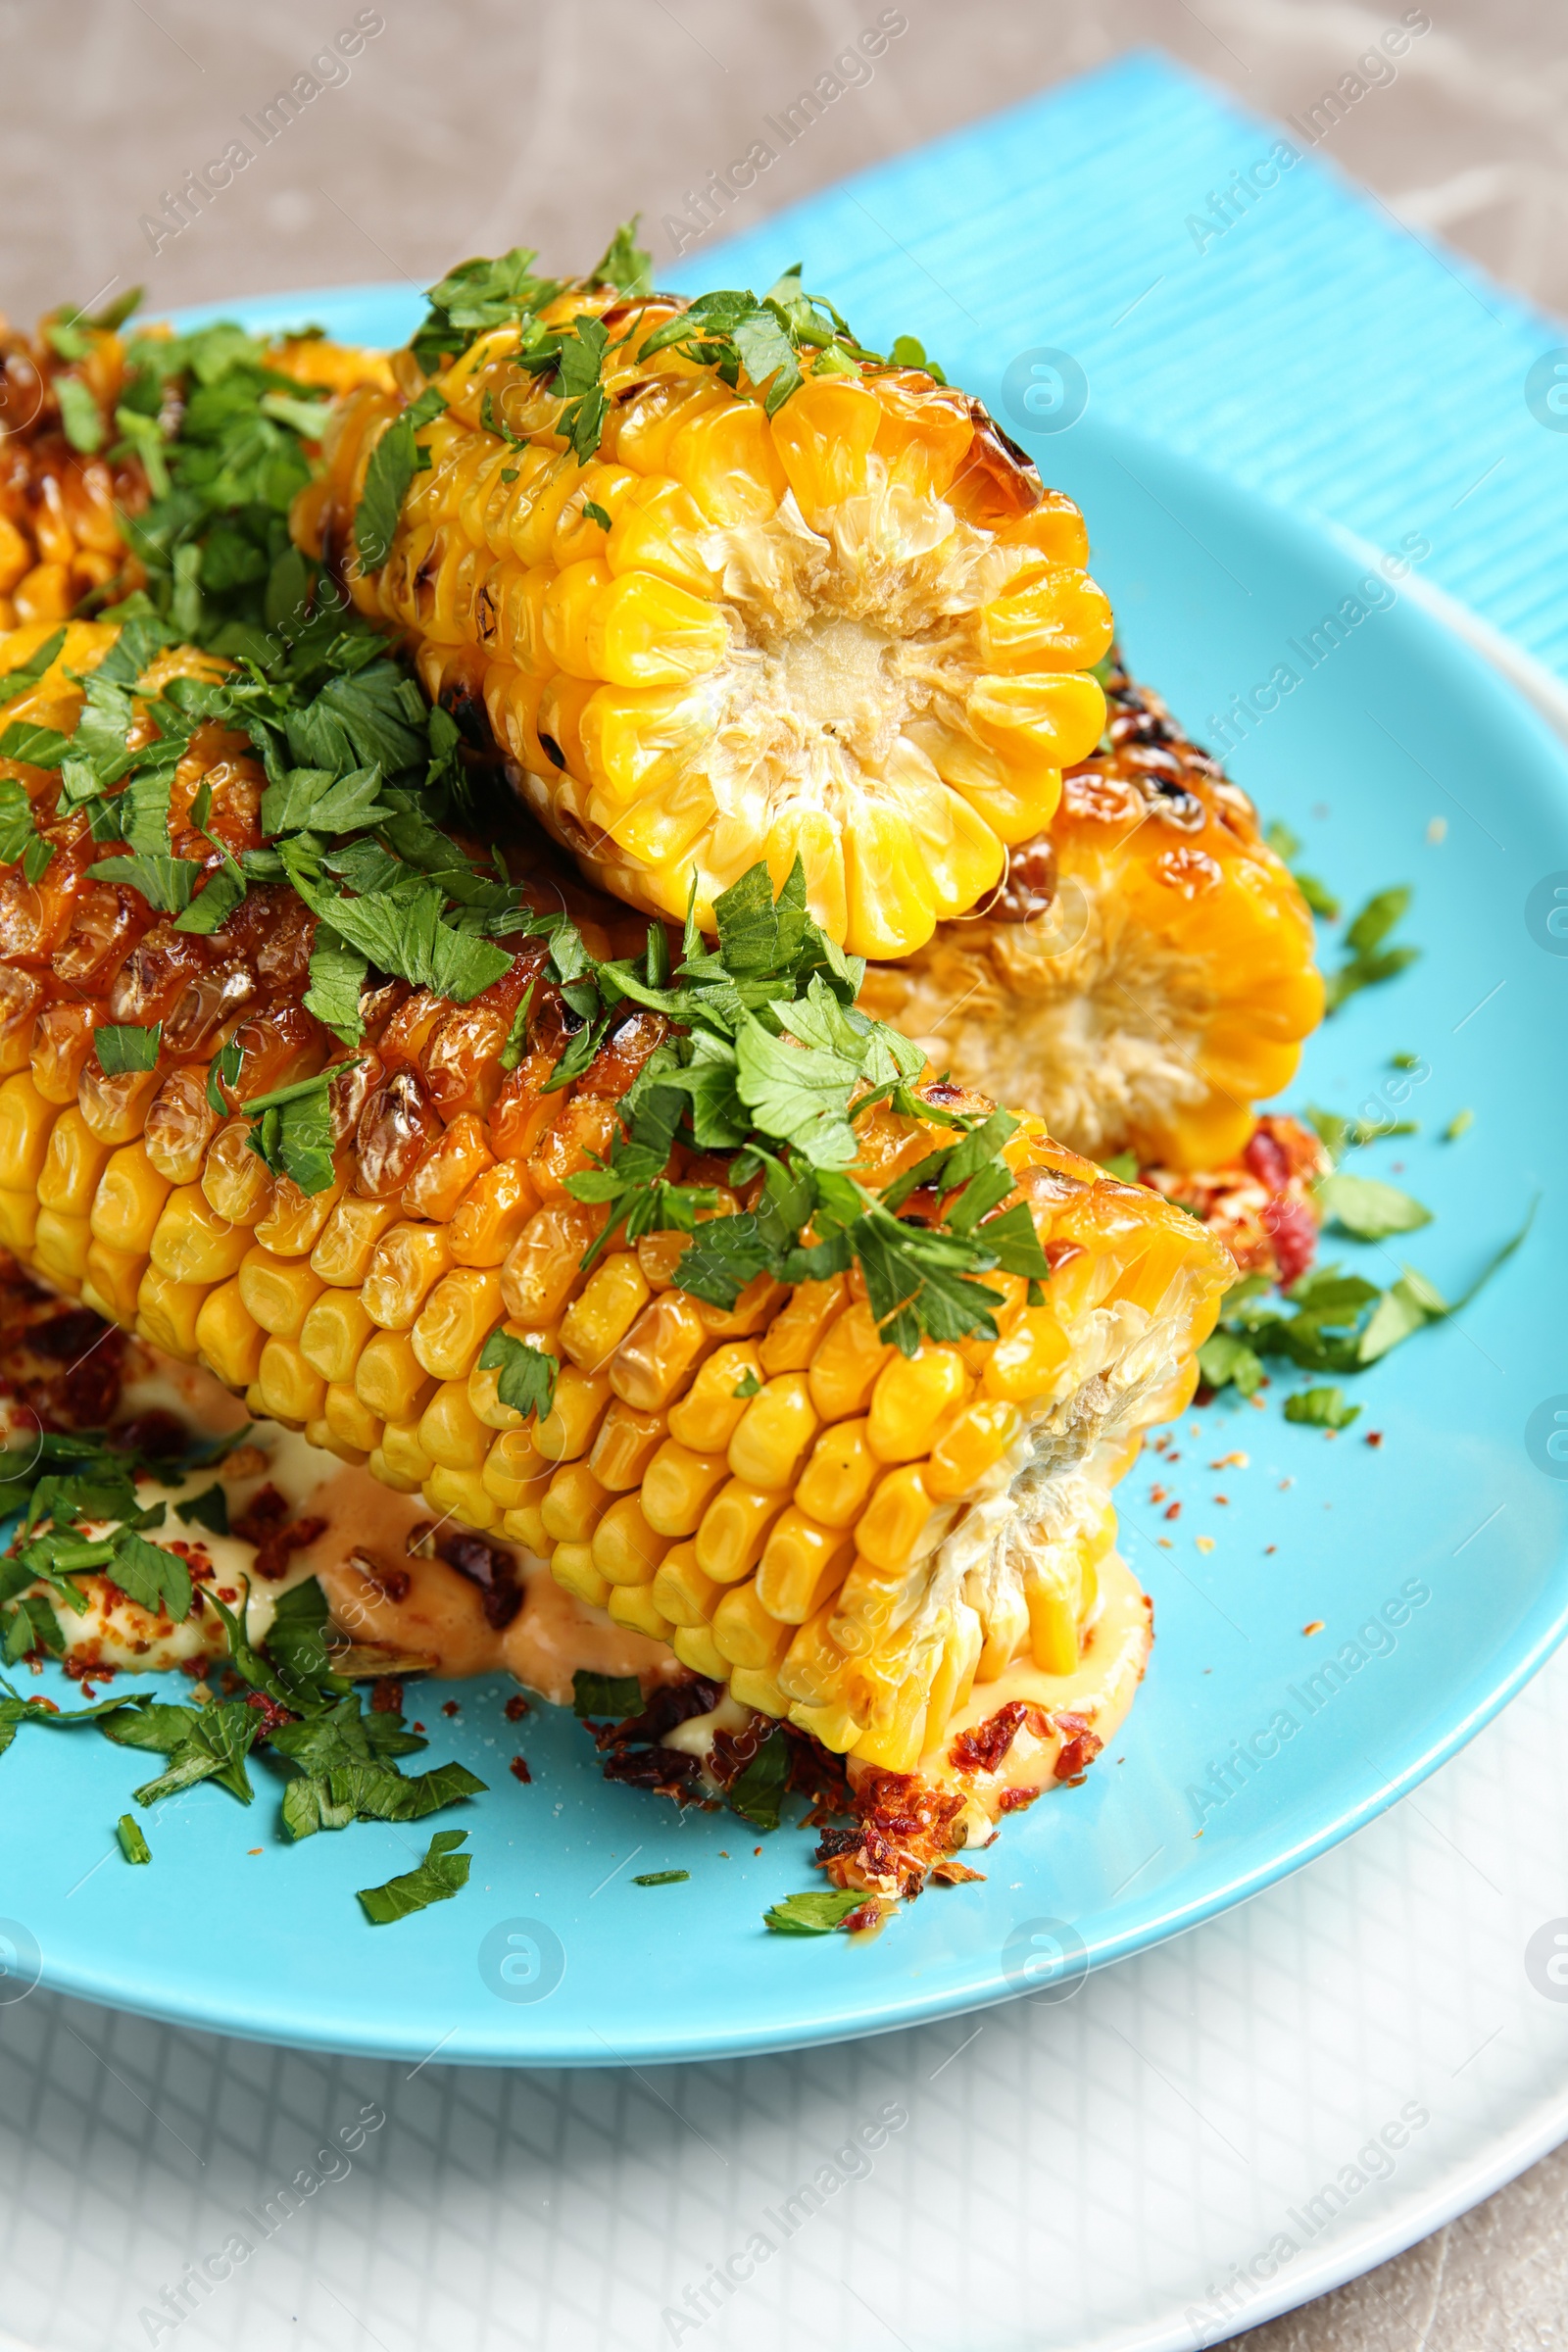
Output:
(1193, 2140)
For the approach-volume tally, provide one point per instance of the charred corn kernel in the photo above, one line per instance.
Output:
(1052, 1624)
(632, 1605)
(18, 1220)
(408, 1262)
(695, 1647)
(460, 1495)
(567, 1428)
(680, 1590)
(292, 1389)
(604, 1310)
(192, 1245)
(745, 1634)
(26, 1123)
(403, 1456)
(129, 1201)
(334, 1334)
(911, 1397)
(167, 1310)
(734, 1529)
(390, 1379)
(773, 1433)
(837, 1480)
(797, 1330)
(116, 1108)
(802, 1566)
(278, 1292)
(455, 1321)
(626, 1548)
(236, 1183)
(1025, 1363)
(545, 1265)
(894, 1520)
(343, 1254)
(835, 1725)
(678, 1486)
(60, 1245)
(294, 1223)
(441, 1181)
(845, 1364)
(452, 1432)
(350, 1422)
(974, 1445)
(658, 1255)
(229, 1337)
(72, 1167)
(574, 1505)
(572, 1567)
(490, 1217)
(624, 1447)
(707, 1416)
(651, 1365)
(515, 1472)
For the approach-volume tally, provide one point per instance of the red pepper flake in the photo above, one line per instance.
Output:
(1077, 1754)
(253, 1850)
(983, 1749)
(757, 1850)
(386, 1695)
(1157, 1493)
(520, 1770)
(1013, 1800)
(270, 1713)
(1175, 1511)
(517, 1707)
(1316, 1626)
(228, 1592)
(450, 1707)
(1222, 1498)
(1268, 1548)
(1374, 1436)
(418, 1726)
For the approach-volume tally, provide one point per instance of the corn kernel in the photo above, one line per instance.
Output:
(441, 1181)
(707, 1416)
(407, 1263)
(334, 1334)
(192, 1245)
(734, 1529)
(567, 1428)
(815, 1666)
(485, 1387)
(452, 1432)
(545, 1265)
(834, 1724)
(681, 1591)
(113, 1277)
(19, 1221)
(351, 1422)
(897, 1744)
(624, 1447)
(895, 1521)
(523, 1525)
(572, 1567)
(974, 1445)
(236, 1183)
(773, 1433)
(492, 1215)
(293, 1391)
(167, 1310)
(626, 1548)
(26, 1123)
(390, 1380)
(402, 1454)
(460, 1495)
(912, 1395)
(514, 1471)
(678, 1486)
(802, 1324)
(347, 1245)
(129, 1201)
(116, 1108)
(847, 1364)
(604, 1310)
(632, 1605)
(72, 1167)
(834, 1486)
(745, 1634)
(60, 1245)
(1025, 1361)
(278, 1291)
(229, 1337)
(574, 1505)
(803, 1565)
(695, 1647)
(953, 1679)
(1052, 1624)
(753, 1311)
(755, 1689)
(650, 1367)
(456, 1321)
(293, 1225)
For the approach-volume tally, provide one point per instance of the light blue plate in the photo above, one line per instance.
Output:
(1436, 1560)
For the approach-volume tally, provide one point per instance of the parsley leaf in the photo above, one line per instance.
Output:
(1321, 1409)
(816, 1913)
(292, 1130)
(1370, 1210)
(610, 1698)
(439, 1877)
(126, 1046)
(527, 1382)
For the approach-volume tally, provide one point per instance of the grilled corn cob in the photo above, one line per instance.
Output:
(844, 1462)
(1146, 973)
(729, 588)
(89, 419)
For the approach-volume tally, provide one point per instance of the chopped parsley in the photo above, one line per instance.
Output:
(1321, 1409)
(132, 1845)
(436, 1879)
(661, 1878)
(126, 1046)
(527, 1382)
(607, 1697)
(816, 1913)
(1370, 961)
(1368, 1210)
